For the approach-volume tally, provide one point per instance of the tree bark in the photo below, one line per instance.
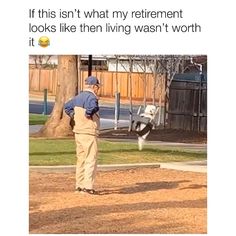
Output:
(58, 125)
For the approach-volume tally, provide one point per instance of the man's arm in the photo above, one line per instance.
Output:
(69, 108)
(92, 107)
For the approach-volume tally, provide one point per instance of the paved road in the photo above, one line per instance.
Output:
(106, 112)
(104, 124)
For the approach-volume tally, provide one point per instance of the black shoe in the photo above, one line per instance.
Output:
(89, 191)
(78, 190)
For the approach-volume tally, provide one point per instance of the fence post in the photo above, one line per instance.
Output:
(165, 101)
(45, 103)
(117, 109)
(199, 103)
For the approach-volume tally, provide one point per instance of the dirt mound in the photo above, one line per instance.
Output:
(166, 135)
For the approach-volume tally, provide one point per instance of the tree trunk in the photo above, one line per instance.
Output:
(58, 125)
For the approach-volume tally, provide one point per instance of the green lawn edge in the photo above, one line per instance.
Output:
(53, 152)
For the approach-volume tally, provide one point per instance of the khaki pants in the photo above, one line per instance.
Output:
(86, 151)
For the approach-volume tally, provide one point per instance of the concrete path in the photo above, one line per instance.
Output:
(194, 166)
(201, 147)
(71, 168)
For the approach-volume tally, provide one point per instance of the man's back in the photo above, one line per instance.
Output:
(84, 109)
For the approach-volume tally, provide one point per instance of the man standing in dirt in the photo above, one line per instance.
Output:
(83, 109)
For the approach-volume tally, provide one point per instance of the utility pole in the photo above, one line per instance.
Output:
(90, 65)
(79, 73)
(130, 93)
(117, 98)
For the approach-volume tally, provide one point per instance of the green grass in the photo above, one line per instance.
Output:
(35, 119)
(62, 152)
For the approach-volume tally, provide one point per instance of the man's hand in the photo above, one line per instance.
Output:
(72, 115)
(88, 117)
(72, 123)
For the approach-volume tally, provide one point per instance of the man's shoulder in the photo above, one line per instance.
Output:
(84, 97)
(87, 93)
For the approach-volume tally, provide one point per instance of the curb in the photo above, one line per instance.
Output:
(71, 168)
(192, 166)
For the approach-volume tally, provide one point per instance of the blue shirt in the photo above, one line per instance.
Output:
(87, 100)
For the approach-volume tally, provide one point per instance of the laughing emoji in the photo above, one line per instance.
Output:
(44, 41)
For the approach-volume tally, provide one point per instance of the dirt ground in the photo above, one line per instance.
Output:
(142, 200)
(166, 135)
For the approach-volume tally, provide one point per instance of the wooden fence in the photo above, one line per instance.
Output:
(40, 79)
(187, 108)
(188, 105)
